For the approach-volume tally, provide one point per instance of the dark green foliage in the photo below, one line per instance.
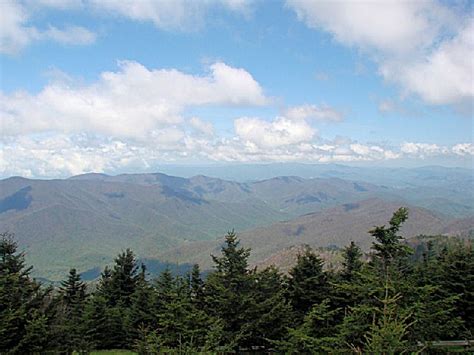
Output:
(456, 277)
(317, 333)
(352, 263)
(228, 293)
(308, 283)
(140, 315)
(272, 313)
(387, 244)
(123, 279)
(69, 312)
(386, 305)
(23, 303)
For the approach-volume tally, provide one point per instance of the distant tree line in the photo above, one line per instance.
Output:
(388, 303)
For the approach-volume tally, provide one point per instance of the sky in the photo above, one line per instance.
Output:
(127, 86)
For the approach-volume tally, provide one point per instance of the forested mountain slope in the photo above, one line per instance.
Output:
(86, 219)
(330, 227)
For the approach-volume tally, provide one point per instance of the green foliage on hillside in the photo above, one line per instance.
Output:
(388, 302)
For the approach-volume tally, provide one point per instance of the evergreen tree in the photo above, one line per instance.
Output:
(352, 263)
(163, 291)
(317, 333)
(140, 313)
(23, 320)
(389, 328)
(107, 315)
(272, 313)
(308, 284)
(104, 325)
(456, 279)
(123, 279)
(388, 245)
(370, 290)
(72, 299)
(228, 293)
(196, 284)
(73, 294)
(182, 325)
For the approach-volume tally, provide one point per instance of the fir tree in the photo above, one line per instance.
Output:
(23, 321)
(308, 282)
(272, 312)
(72, 299)
(228, 293)
(352, 262)
(123, 278)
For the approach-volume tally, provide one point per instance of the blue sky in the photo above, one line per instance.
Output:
(113, 86)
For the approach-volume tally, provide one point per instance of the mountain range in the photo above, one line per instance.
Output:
(85, 220)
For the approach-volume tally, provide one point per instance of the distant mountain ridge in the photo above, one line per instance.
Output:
(83, 221)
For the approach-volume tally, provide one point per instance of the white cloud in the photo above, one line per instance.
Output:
(422, 150)
(443, 77)
(132, 102)
(280, 132)
(463, 149)
(293, 127)
(16, 32)
(422, 46)
(320, 113)
(54, 155)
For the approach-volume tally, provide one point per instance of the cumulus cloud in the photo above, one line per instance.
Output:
(443, 77)
(422, 150)
(293, 127)
(429, 55)
(16, 32)
(280, 132)
(132, 102)
(463, 149)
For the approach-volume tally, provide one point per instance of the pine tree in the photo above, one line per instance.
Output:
(104, 325)
(272, 312)
(141, 315)
(388, 245)
(196, 284)
(317, 333)
(456, 279)
(163, 290)
(72, 300)
(107, 315)
(389, 329)
(123, 278)
(73, 294)
(228, 293)
(23, 321)
(352, 262)
(182, 325)
(370, 293)
(308, 283)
